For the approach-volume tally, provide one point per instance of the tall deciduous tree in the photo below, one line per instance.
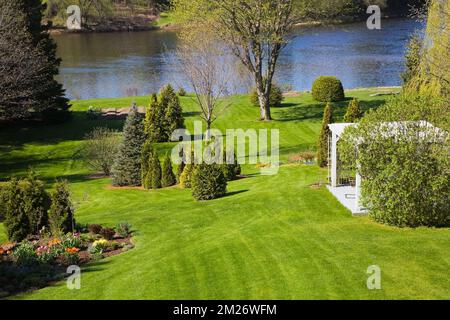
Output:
(433, 73)
(255, 31)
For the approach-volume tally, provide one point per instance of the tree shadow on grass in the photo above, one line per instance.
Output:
(24, 279)
(233, 193)
(15, 136)
(314, 111)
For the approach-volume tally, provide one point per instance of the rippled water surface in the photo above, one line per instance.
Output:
(118, 64)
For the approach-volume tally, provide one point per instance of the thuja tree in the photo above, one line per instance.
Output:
(126, 170)
(208, 182)
(173, 115)
(322, 153)
(230, 167)
(403, 161)
(168, 177)
(61, 214)
(35, 201)
(16, 222)
(146, 156)
(25, 205)
(155, 171)
(155, 126)
(354, 112)
(163, 116)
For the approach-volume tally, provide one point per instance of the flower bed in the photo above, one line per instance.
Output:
(40, 260)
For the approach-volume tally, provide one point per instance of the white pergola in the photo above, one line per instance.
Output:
(349, 194)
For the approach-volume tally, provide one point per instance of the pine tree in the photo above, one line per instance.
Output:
(354, 112)
(126, 170)
(155, 169)
(322, 155)
(48, 92)
(168, 177)
(61, 214)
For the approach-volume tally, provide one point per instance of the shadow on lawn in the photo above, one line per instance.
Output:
(21, 279)
(299, 112)
(230, 194)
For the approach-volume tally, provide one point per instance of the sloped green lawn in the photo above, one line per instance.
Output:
(271, 237)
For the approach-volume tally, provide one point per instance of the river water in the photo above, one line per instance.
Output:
(102, 65)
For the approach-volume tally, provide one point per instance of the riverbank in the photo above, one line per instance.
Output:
(165, 21)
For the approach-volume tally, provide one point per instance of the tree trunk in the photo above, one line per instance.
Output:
(263, 98)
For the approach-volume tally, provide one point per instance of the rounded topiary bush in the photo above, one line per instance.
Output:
(208, 182)
(276, 96)
(328, 89)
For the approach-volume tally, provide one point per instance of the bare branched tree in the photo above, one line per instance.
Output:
(208, 71)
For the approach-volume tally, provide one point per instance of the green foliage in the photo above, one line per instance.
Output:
(154, 123)
(28, 90)
(36, 202)
(24, 254)
(412, 58)
(100, 148)
(354, 112)
(180, 170)
(168, 177)
(25, 205)
(163, 116)
(328, 89)
(16, 218)
(151, 169)
(126, 170)
(182, 92)
(123, 229)
(208, 182)
(433, 76)
(403, 162)
(147, 154)
(275, 99)
(230, 167)
(155, 171)
(186, 176)
(322, 154)
(61, 214)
